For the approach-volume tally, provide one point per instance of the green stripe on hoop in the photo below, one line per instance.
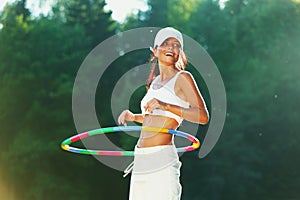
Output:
(83, 151)
(101, 131)
(128, 153)
(66, 142)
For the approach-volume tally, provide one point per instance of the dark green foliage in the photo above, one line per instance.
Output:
(90, 14)
(256, 46)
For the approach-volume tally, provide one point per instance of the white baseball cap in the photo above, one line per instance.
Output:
(166, 33)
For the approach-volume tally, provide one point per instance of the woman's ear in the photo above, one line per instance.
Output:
(155, 52)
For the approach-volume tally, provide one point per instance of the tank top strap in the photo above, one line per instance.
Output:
(171, 83)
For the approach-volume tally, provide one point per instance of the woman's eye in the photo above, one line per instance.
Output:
(174, 45)
(164, 44)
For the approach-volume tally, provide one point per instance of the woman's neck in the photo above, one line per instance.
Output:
(166, 72)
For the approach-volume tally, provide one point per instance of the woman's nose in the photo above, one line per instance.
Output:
(170, 46)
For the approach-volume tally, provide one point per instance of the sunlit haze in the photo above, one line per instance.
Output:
(119, 11)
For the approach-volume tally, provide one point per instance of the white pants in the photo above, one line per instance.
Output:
(162, 181)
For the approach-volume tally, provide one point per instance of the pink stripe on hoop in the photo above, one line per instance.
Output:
(80, 136)
(110, 153)
(192, 139)
(189, 148)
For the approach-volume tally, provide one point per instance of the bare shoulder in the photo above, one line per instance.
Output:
(186, 77)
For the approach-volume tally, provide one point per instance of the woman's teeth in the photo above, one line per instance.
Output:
(169, 54)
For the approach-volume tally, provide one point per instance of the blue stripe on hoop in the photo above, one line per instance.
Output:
(127, 128)
(178, 133)
(174, 132)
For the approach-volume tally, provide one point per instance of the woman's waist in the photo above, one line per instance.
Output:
(155, 131)
(165, 114)
(154, 139)
(158, 121)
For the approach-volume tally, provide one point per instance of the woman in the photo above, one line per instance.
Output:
(172, 96)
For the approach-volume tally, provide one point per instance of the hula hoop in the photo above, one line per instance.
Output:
(65, 145)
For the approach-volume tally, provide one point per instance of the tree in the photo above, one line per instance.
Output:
(97, 22)
(38, 67)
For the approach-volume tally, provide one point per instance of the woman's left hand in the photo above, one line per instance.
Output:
(154, 104)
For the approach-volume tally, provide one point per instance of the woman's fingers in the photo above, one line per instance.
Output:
(126, 115)
(153, 104)
(121, 119)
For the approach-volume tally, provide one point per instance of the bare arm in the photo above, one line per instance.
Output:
(186, 89)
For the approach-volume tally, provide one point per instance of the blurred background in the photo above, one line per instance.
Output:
(254, 43)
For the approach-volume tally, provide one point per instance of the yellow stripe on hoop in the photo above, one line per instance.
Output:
(153, 129)
(65, 147)
(196, 145)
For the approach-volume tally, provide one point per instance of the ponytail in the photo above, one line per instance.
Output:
(152, 75)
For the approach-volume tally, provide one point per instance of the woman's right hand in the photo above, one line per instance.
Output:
(126, 115)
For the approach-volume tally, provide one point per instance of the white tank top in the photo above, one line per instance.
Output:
(166, 94)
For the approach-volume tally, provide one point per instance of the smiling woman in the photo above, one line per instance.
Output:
(172, 97)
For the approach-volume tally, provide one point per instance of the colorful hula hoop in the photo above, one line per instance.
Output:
(65, 145)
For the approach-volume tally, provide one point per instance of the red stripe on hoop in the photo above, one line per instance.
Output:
(189, 148)
(192, 139)
(80, 136)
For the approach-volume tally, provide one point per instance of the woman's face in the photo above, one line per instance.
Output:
(168, 51)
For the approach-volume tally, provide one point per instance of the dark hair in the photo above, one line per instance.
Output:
(180, 64)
